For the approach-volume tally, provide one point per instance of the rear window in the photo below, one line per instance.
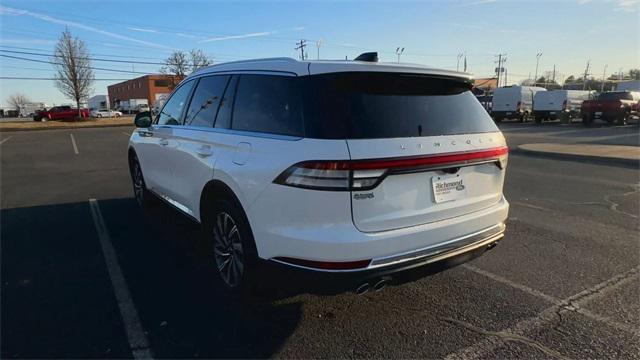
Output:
(615, 96)
(382, 105)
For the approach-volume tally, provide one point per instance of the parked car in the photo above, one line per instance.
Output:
(558, 104)
(513, 102)
(59, 113)
(614, 106)
(104, 113)
(348, 167)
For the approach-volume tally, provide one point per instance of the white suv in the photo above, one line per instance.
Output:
(329, 166)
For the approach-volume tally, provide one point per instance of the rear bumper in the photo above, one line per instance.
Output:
(392, 249)
(507, 114)
(480, 240)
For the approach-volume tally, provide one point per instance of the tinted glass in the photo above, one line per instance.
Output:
(615, 96)
(269, 104)
(205, 101)
(171, 113)
(223, 120)
(383, 105)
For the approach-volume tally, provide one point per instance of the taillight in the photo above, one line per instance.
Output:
(359, 175)
(564, 105)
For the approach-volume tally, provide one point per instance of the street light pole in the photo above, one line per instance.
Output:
(458, 62)
(535, 77)
(604, 74)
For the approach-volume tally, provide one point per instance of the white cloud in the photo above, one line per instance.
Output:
(242, 36)
(142, 30)
(18, 12)
(476, 3)
(27, 41)
(628, 5)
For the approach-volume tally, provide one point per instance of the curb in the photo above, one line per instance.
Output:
(581, 158)
(63, 127)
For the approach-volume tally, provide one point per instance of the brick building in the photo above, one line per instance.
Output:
(150, 87)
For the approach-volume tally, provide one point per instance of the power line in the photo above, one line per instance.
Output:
(42, 78)
(55, 63)
(86, 58)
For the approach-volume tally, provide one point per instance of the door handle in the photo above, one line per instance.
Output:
(164, 142)
(204, 151)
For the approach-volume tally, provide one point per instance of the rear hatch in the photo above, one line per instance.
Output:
(422, 148)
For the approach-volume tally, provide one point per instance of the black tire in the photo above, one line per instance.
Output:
(497, 119)
(232, 252)
(621, 120)
(587, 120)
(140, 191)
(538, 119)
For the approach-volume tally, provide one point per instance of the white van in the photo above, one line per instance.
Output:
(513, 102)
(559, 104)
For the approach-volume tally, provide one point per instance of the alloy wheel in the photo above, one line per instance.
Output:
(227, 249)
(138, 184)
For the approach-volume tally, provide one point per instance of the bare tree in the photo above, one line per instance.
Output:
(18, 101)
(179, 64)
(74, 75)
(199, 59)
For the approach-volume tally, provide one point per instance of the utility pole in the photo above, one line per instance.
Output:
(399, 52)
(318, 44)
(300, 46)
(604, 74)
(586, 72)
(502, 58)
(505, 77)
(553, 79)
(458, 62)
(535, 77)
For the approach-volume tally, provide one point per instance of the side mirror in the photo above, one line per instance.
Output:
(143, 119)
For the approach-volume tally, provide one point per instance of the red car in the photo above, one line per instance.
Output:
(60, 112)
(614, 106)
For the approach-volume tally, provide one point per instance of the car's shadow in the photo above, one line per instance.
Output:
(56, 287)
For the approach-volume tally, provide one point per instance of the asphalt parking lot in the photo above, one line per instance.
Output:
(564, 283)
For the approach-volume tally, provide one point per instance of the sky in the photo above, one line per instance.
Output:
(568, 33)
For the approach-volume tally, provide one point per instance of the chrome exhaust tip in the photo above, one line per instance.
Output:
(381, 284)
(363, 289)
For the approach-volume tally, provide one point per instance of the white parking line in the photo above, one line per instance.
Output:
(138, 341)
(550, 315)
(73, 142)
(5, 139)
(126, 133)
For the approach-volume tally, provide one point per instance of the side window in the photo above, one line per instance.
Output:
(223, 120)
(269, 104)
(205, 101)
(172, 111)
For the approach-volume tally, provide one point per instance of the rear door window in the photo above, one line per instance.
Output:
(206, 100)
(268, 104)
(384, 105)
(171, 113)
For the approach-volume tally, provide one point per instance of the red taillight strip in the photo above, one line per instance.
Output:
(325, 265)
(409, 162)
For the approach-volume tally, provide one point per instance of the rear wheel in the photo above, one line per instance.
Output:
(232, 250)
(99, 115)
(538, 119)
(587, 120)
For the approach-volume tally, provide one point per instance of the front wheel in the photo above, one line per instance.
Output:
(139, 187)
(622, 120)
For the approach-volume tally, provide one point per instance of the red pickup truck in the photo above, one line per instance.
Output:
(614, 106)
(60, 112)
